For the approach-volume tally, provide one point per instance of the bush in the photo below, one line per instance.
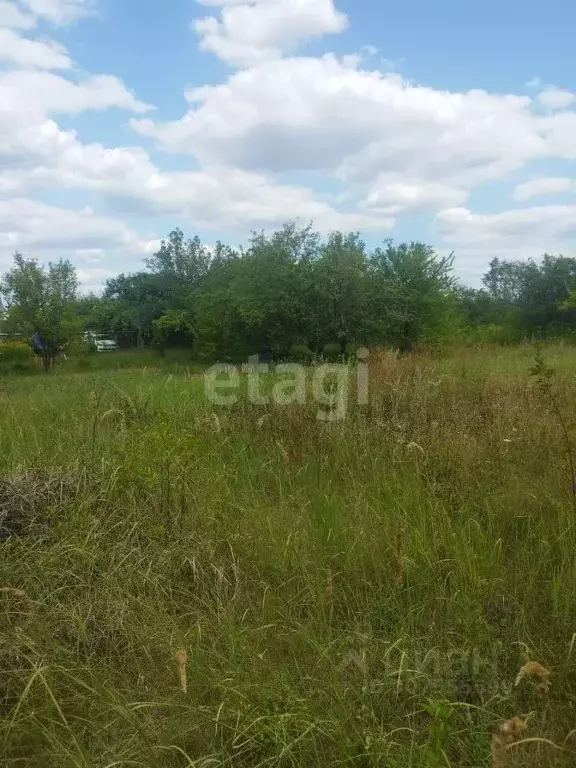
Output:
(331, 352)
(301, 353)
(494, 334)
(15, 357)
(14, 352)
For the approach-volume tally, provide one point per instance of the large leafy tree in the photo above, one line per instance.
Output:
(340, 309)
(418, 289)
(41, 300)
(255, 299)
(184, 260)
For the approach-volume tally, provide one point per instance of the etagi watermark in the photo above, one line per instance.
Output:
(330, 385)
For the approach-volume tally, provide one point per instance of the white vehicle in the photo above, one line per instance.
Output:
(101, 342)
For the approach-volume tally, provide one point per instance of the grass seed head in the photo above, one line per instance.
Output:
(537, 672)
(507, 734)
(182, 659)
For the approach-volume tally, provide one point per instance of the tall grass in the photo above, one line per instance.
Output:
(361, 593)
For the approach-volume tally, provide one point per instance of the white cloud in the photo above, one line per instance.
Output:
(320, 114)
(252, 31)
(27, 95)
(59, 11)
(522, 234)
(48, 232)
(535, 82)
(395, 196)
(544, 186)
(25, 14)
(26, 223)
(545, 224)
(385, 145)
(32, 53)
(559, 132)
(399, 145)
(89, 255)
(36, 153)
(13, 16)
(555, 98)
(129, 181)
(550, 96)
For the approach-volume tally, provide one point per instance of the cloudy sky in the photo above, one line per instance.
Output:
(449, 122)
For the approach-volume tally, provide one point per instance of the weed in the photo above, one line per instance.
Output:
(251, 587)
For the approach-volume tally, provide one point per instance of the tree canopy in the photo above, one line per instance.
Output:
(294, 290)
(41, 302)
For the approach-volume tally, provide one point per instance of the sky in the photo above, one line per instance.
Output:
(447, 122)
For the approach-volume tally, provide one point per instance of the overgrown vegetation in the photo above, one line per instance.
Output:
(41, 305)
(188, 585)
(292, 294)
(250, 586)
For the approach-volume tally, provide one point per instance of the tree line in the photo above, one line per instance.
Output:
(292, 293)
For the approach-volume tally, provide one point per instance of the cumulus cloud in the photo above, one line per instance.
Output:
(555, 98)
(16, 18)
(386, 146)
(542, 224)
(325, 114)
(26, 223)
(521, 234)
(25, 14)
(395, 196)
(36, 153)
(544, 186)
(32, 53)
(252, 31)
(45, 92)
(50, 232)
(128, 180)
(11, 15)
(59, 11)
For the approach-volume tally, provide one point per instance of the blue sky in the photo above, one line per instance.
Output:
(121, 119)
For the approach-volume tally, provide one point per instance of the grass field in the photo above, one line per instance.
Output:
(361, 593)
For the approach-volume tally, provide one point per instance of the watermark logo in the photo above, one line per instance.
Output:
(329, 385)
(470, 672)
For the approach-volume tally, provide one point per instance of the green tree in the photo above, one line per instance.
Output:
(41, 301)
(140, 299)
(537, 292)
(173, 328)
(340, 309)
(255, 299)
(418, 289)
(184, 260)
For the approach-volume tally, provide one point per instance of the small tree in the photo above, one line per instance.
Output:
(173, 328)
(40, 301)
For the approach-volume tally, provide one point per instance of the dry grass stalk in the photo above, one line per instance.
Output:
(182, 659)
(329, 588)
(506, 736)
(283, 452)
(537, 672)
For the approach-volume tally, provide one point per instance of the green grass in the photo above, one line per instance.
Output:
(353, 594)
(172, 360)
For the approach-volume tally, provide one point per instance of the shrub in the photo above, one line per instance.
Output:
(15, 357)
(301, 353)
(331, 351)
(14, 352)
